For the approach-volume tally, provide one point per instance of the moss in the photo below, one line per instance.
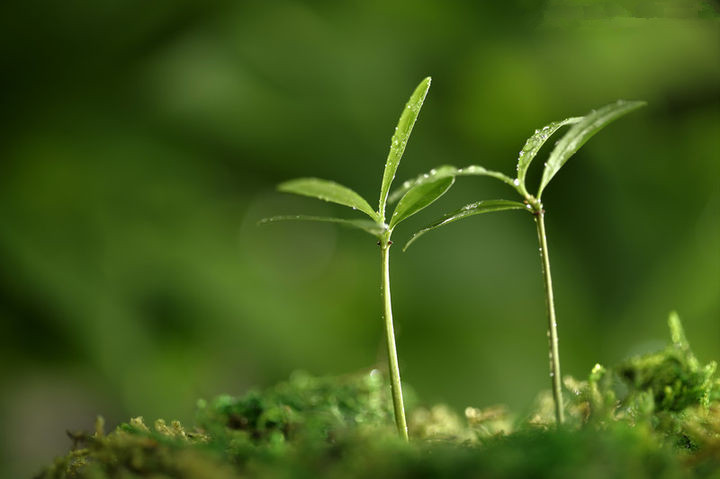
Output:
(673, 377)
(652, 416)
(668, 392)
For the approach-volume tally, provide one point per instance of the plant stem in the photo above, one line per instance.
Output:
(397, 396)
(555, 377)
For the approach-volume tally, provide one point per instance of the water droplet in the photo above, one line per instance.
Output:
(552, 374)
(516, 182)
(433, 171)
(522, 152)
(426, 175)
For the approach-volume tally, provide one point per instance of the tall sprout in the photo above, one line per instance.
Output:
(581, 130)
(412, 200)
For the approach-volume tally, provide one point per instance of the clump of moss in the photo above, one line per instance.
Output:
(301, 407)
(136, 450)
(238, 432)
(652, 416)
(668, 392)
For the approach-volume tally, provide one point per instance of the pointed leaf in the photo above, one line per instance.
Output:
(487, 206)
(420, 197)
(535, 142)
(435, 174)
(445, 171)
(400, 139)
(328, 191)
(582, 132)
(474, 170)
(366, 225)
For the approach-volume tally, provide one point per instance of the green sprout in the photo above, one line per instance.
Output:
(581, 130)
(411, 201)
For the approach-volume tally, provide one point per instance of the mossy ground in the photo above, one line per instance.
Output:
(654, 416)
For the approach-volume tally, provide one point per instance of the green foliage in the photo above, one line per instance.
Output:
(368, 226)
(413, 199)
(132, 180)
(487, 206)
(583, 128)
(580, 133)
(533, 145)
(445, 171)
(328, 191)
(400, 139)
(418, 198)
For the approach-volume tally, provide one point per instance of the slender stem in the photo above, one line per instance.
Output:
(552, 322)
(397, 396)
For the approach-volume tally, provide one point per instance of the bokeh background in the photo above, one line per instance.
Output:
(141, 142)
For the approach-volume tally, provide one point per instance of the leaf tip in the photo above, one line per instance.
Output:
(423, 87)
(632, 104)
(285, 185)
(409, 242)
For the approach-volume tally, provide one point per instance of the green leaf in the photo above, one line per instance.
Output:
(420, 197)
(474, 170)
(371, 227)
(580, 133)
(328, 191)
(445, 171)
(535, 142)
(400, 139)
(487, 206)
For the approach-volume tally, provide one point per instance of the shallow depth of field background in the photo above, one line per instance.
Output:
(141, 142)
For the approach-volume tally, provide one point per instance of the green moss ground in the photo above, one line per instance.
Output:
(653, 416)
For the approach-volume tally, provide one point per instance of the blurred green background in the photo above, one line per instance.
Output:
(141, 142)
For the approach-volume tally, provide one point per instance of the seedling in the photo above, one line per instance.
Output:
(412, 200)
(581, 130)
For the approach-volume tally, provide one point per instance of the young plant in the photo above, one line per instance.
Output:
(581, 130)
(411, 201)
